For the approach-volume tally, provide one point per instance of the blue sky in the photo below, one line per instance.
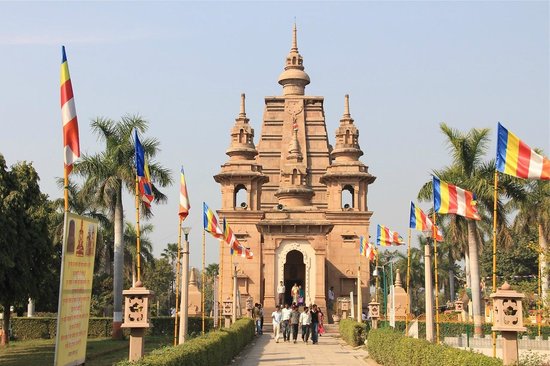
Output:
(182, 65)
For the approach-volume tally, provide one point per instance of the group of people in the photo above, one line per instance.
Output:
(288, 318)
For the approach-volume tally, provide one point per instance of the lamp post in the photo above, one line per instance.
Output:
(375, 274)
(185, 288)
(234, 315)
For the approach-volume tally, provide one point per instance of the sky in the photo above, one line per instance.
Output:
(407, 66)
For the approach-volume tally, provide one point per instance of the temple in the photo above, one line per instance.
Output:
(297, 202)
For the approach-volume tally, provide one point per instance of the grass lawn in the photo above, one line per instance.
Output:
(100, 351)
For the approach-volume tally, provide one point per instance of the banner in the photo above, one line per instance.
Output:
(75, 289)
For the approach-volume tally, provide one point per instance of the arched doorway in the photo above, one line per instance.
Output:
(294, 273)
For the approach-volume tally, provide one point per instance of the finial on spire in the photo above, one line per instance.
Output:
(346, 106)
(242, 112)
(294, 37)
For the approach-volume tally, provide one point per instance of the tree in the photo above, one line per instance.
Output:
(469, 171)
(159, 279)
(130, 250)
(107, 174)
(27, 250)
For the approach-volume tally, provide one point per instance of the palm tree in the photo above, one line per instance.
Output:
(107, 174)
(534, 211)
(469, 171)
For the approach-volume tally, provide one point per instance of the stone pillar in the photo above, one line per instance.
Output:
(508, 320)
(136, 317)
(184, 304)
(429, 294)
(227, 312)
(374, 313)
(359, 297)
(30, 308)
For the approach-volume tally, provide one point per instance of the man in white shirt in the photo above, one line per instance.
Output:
(331, 298)
(305, 322)
(281, 293)
(276, 316)
(285, 326)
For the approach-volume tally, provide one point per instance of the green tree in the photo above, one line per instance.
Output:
(27, 249)
(159, 278)
(469, 171)
(107, 174)
(130, 249)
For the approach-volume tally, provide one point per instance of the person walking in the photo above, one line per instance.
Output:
(285, 324)
(257, 318)
(261, 317)
(300, 295)
(314, 324)
(330, 305)
(281, 293)
(305, 321)
(276, 316)
(321, 322)
(294, 321)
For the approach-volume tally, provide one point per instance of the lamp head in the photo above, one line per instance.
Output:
(186, 230)
(375, 272)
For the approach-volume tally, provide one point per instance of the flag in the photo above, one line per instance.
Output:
(371, 252)
(450, 199)
(515, 158)
(184, 199)
(420, 221)
(71, 144)
(211, 223)
(142, 171)
(235, 246)
(362, 246)
(386, 237)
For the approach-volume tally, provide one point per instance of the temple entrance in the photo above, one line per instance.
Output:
(294, 273)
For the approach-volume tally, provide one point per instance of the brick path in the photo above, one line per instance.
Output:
(329, 351)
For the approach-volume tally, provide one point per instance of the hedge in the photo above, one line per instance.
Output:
(389, 347)
(45, 328)
(353, 332)
(211, 349)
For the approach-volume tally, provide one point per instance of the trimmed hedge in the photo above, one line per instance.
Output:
(45, 328)
(353, 332)
(390, 347)
(211, 349)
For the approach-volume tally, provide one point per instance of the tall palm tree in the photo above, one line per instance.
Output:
(534, 211)
(469, 171)
(107, 173)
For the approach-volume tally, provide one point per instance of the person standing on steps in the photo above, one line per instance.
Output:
(276, 316)
(314, 324)
(285, 323)
(330, 305)
(295, 293)
(305, 321)
(257, 318)
(281, 293)
(294, 321)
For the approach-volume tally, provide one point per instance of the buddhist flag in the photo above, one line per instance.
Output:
(450, 199)
(236, 247)
(142, 172)
(184, 199)
(211, 222)
(386, 237)
(371, 252)
(71, 144)
(420, 221)
(515, 158)
(362, 246)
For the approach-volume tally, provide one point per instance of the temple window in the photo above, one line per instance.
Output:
(347, 197)
(240, 198)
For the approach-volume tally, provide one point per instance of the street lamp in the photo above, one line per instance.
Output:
(185, 289)
(234, 317)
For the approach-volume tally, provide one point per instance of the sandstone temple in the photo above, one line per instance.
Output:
(299, 203)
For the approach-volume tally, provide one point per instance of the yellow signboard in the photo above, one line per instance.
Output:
(75, 289)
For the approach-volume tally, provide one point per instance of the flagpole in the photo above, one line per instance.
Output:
(203, 277)
(539, 314)
(495, 198)
(232, 282)
(66, 188)
(138, 251)
(407, 310)
(377, 277)
(434, 236)
(221, 284)
(177, 283)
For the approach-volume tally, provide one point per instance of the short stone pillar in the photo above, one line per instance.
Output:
(227, 312)
(136, 317)
(374, 313)
(249, 306)
(459, 308)
(344, 306)
(508, 320)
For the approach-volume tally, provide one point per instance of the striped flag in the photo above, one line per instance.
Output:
(184, 199)
(211, 222)
(420, 221)
(385, 237)
(142, 171)
(362, 246)
(450, 199)
(515, 158)
(371, 252)
(71, 144)
(235, 246)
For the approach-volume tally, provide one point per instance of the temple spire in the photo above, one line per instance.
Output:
(294, 79)
(242, 113)
(346, 106)
(294, 39)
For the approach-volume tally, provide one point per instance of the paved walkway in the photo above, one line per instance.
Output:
(329, 351)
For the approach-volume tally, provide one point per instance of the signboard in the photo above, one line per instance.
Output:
(75, 289)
